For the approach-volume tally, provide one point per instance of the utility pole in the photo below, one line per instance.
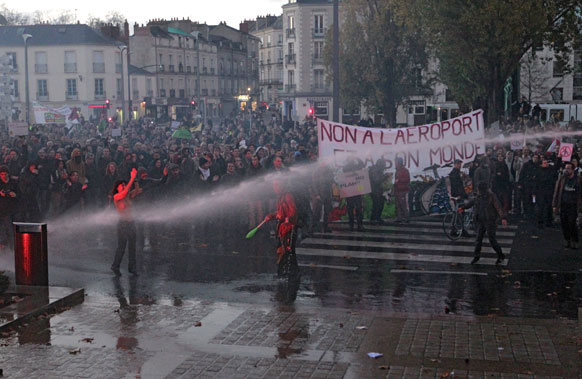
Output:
(26, 37)
(121, 48)
(335, 61)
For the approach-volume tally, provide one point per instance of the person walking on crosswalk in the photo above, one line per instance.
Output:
(487, 213)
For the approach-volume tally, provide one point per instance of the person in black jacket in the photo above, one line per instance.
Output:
(487, 213)
(457, 186)
(546, 177)
(8, 206)
(527, 181)
(377, 179)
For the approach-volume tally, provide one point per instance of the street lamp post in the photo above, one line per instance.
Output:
(121, 49)
(250, 105)
(26, 37)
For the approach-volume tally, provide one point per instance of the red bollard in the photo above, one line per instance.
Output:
(30, 254)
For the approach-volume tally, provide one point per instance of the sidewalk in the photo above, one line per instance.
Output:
(137, 337)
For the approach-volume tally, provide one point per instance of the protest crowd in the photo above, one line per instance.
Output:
(55, 170)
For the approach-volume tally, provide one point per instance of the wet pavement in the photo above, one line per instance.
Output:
(214, 309)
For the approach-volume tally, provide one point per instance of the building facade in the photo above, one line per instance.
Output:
(307, 90)
(68, 65)
(269, 30)
(193, 62)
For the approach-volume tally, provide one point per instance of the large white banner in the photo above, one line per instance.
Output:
(47, 115)
(420, 146)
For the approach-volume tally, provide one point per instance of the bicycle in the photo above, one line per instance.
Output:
(457, 224)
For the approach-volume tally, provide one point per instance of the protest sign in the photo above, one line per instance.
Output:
(353, 183)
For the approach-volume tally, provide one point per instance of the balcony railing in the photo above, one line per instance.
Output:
(162, 93)
(99, 67)
(162, 68)
(318, 32)
(204, 92)
(291, 33)
(290, 58)
(320, 88)
(71, 96)
(290, 87)
(118, 68)
(171, 68)
(42, 96)
(100, 96)
(318, 60)
(188, 69)
(70, 67)
(41, 68)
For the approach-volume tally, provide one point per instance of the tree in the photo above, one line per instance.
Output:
(12, 17)
(380, 58)
(479, 44)
(113, 18)
(533, 77)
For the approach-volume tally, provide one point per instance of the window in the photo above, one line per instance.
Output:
(12, 59)
(558, 69)
(318, 79)
(291, 77)
(318, 25)
(98, 62)
(40, 62)
(557, 94)
(318, 50)
(14, 89)
(118, 64)
(70, 61)
(290, 48)
(42, 89)
(148, 83)
(71, 89)
(99, 90)
(577, 91)
(291, 22)
(280, 39)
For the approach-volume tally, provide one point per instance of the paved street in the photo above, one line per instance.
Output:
(215, 310)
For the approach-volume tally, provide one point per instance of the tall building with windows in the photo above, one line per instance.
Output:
(68, 65)
(269, 30)
(307, 87)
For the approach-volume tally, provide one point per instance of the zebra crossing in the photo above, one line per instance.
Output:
(419, 241)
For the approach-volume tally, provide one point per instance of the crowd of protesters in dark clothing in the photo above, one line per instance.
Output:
(55, 170)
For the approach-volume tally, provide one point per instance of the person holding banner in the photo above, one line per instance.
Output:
(401, 189)
(568, 200)
(355, 203)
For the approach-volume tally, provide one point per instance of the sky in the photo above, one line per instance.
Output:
(210, 11)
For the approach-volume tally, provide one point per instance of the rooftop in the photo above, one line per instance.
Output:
(51, 35)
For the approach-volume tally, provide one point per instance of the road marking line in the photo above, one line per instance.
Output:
(504, 242)
(399, 271)
(317, 265)
(395, 256)
(395, 245)
(410, 229)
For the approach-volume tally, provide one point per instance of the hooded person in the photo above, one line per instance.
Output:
(76, 164)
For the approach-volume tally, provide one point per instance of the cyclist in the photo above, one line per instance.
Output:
(487, 213)
(286, 216)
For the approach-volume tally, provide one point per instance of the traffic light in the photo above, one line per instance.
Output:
(193, 103)
(110, 119)
(310, 111)
(107, 103)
